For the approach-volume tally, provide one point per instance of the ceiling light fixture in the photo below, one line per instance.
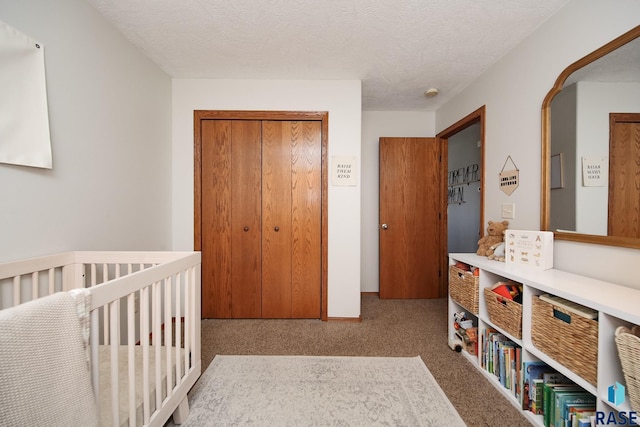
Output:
(431, 92)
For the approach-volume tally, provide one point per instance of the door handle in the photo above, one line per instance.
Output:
(385, 226)
(277, 228)
(246, 228)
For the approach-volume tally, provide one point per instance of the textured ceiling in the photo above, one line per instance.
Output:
(398, 48)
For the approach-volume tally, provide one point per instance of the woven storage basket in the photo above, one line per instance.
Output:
(504, 313)
(574, 345)
(463, 288)
(628, 343)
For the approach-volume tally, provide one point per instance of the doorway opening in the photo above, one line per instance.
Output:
(463, 152)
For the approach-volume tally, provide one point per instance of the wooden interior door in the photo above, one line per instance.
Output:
(246, 217)
(231, 218)
(276, 224)
(306, 214)
(624, 175)
(291, 206)
(410, 217)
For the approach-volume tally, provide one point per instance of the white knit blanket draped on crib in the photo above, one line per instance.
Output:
(44, 374)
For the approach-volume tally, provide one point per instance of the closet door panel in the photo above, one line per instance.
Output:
(246, 230)
(624, 179)
(216, 218)
(306, 181)
(276, 219)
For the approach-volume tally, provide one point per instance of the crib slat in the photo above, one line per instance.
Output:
(168, 339)
(93, 275)
(188, 300)
(115, 405)
(35, 277)
(144, 338)
(105, 327)
(105, 313)
(131, 342)
(16, 290)
(178, 338)
(52, 280)
(157, 341)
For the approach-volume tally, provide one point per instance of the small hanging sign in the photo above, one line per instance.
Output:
(344, 171)
(509, 179)
(595, 171)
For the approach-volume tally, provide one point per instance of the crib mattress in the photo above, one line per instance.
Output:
(123, 381)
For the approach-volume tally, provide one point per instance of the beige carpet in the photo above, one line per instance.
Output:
(319, 391)
(389, 328)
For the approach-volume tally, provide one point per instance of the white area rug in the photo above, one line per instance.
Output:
(299, 391)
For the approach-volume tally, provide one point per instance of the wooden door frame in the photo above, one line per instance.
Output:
(321, 116)
(478, 116)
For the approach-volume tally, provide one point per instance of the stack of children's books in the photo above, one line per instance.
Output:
(502, 358)
(559, 400)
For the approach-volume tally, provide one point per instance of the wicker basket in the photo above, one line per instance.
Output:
(628, 343)
(463, 288)
(573, 342)
(504, 313)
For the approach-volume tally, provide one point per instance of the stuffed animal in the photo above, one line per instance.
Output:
(495, 235)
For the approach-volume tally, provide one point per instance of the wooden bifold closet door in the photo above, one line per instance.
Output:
(261, 218)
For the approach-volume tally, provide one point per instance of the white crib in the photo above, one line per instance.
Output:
(145, 306)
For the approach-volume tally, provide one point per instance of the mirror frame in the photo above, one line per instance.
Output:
(545, 187)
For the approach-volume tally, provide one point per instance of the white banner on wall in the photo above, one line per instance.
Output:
(24, 116)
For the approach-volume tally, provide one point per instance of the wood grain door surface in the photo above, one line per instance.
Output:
(231, 220)
(624, 175)
(410, 206)
(291, 194)
(261, 219)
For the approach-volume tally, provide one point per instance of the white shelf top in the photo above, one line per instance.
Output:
(619, 301)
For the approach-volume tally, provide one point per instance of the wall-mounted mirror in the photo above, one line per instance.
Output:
(591, 147)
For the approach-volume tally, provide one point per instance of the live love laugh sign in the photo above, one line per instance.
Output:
(509, 179)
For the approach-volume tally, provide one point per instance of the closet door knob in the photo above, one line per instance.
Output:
(246, 228)
(277, 228)
(385, 226)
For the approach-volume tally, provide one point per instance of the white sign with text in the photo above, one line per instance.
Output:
(595, 171)
(344, 171)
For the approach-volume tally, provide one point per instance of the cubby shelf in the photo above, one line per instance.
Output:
(616, 306)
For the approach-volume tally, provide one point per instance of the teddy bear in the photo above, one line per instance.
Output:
(494, 236)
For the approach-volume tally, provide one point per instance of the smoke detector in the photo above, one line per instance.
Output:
(431, 92)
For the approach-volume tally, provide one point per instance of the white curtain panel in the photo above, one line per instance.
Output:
(24, 117)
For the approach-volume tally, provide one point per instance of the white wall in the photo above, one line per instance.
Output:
(109, 110)
(376, 124)
(342, 99)
(513, 91)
